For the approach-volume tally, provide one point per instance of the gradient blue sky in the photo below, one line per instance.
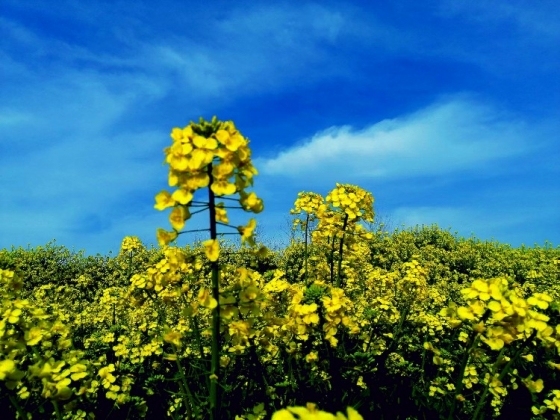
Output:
(447, 111)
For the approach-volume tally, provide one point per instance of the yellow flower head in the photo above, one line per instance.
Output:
(178, 216)
(206, 300)
(207, 154)
(212, 249)
(164, 237)
(164, 200)
(310, 412)
(247, 232)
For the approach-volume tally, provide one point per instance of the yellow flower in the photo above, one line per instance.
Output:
(231, 141)
(195, 180)
(312, 318)
(182, 196)
(173, 337)
(7, 367)
(178, 216)
(212, 249)
(312, 357)
(249, 294)
(251, 202)
(465, 313)
(540, 300)
(247, 232)
(223, 187)
(33, 336)
(79, 371)
(12, 315)
(310, 412)
(177, 134)
(534, 386)
(107, 378)
(223, 170)
(164, 200)
(105, 372)
(206, 300)
(221, 214)
(176, 156)
(164, 237)
(283, 415)
(204, 143)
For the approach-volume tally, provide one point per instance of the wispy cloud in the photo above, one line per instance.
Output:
(258, 49)
(451, 136)
(86, 102)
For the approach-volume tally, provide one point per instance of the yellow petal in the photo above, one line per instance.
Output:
(182, 196)
(212, 249)
(164, 200)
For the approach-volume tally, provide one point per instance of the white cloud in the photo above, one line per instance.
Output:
(451, 136)
(254, 49)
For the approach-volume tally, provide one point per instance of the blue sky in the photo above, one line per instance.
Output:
(447, 111)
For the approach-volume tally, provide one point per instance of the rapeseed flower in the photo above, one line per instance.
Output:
(178, 216)
(7, 367)
(206, 299)
(212, 249)
(310, 412)
(164, 237)
(164, 200)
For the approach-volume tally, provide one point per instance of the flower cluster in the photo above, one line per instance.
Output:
(349, 317)
(310, 412)
(502, 316)
(208, 154)
(131, 244)
(36, 351)
(353, 201)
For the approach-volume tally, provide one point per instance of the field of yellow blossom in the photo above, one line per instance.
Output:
(347, 319)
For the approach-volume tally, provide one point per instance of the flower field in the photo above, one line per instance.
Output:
(410, 324)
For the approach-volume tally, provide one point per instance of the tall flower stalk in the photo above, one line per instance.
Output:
(338, 216)
(213, 155)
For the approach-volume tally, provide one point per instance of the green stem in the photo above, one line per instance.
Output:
(196, 330)
(459, 383)
(305, 245)
(57, 410)
(331, 262)
(339, 274)
(18, 408)
(369, 340)
(185, 387)
(215, 365)
(503, 373)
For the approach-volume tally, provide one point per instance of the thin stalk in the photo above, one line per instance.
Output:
(459, 384)
(332, 259)
(196, 329)
(482, 400)
(503, 373)
(185, 387)
(198, 337)
(194, 230)
(57, 410)
(18, 408)
(215, 365)
(305, 256)
(369, 340)
(339, 274)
